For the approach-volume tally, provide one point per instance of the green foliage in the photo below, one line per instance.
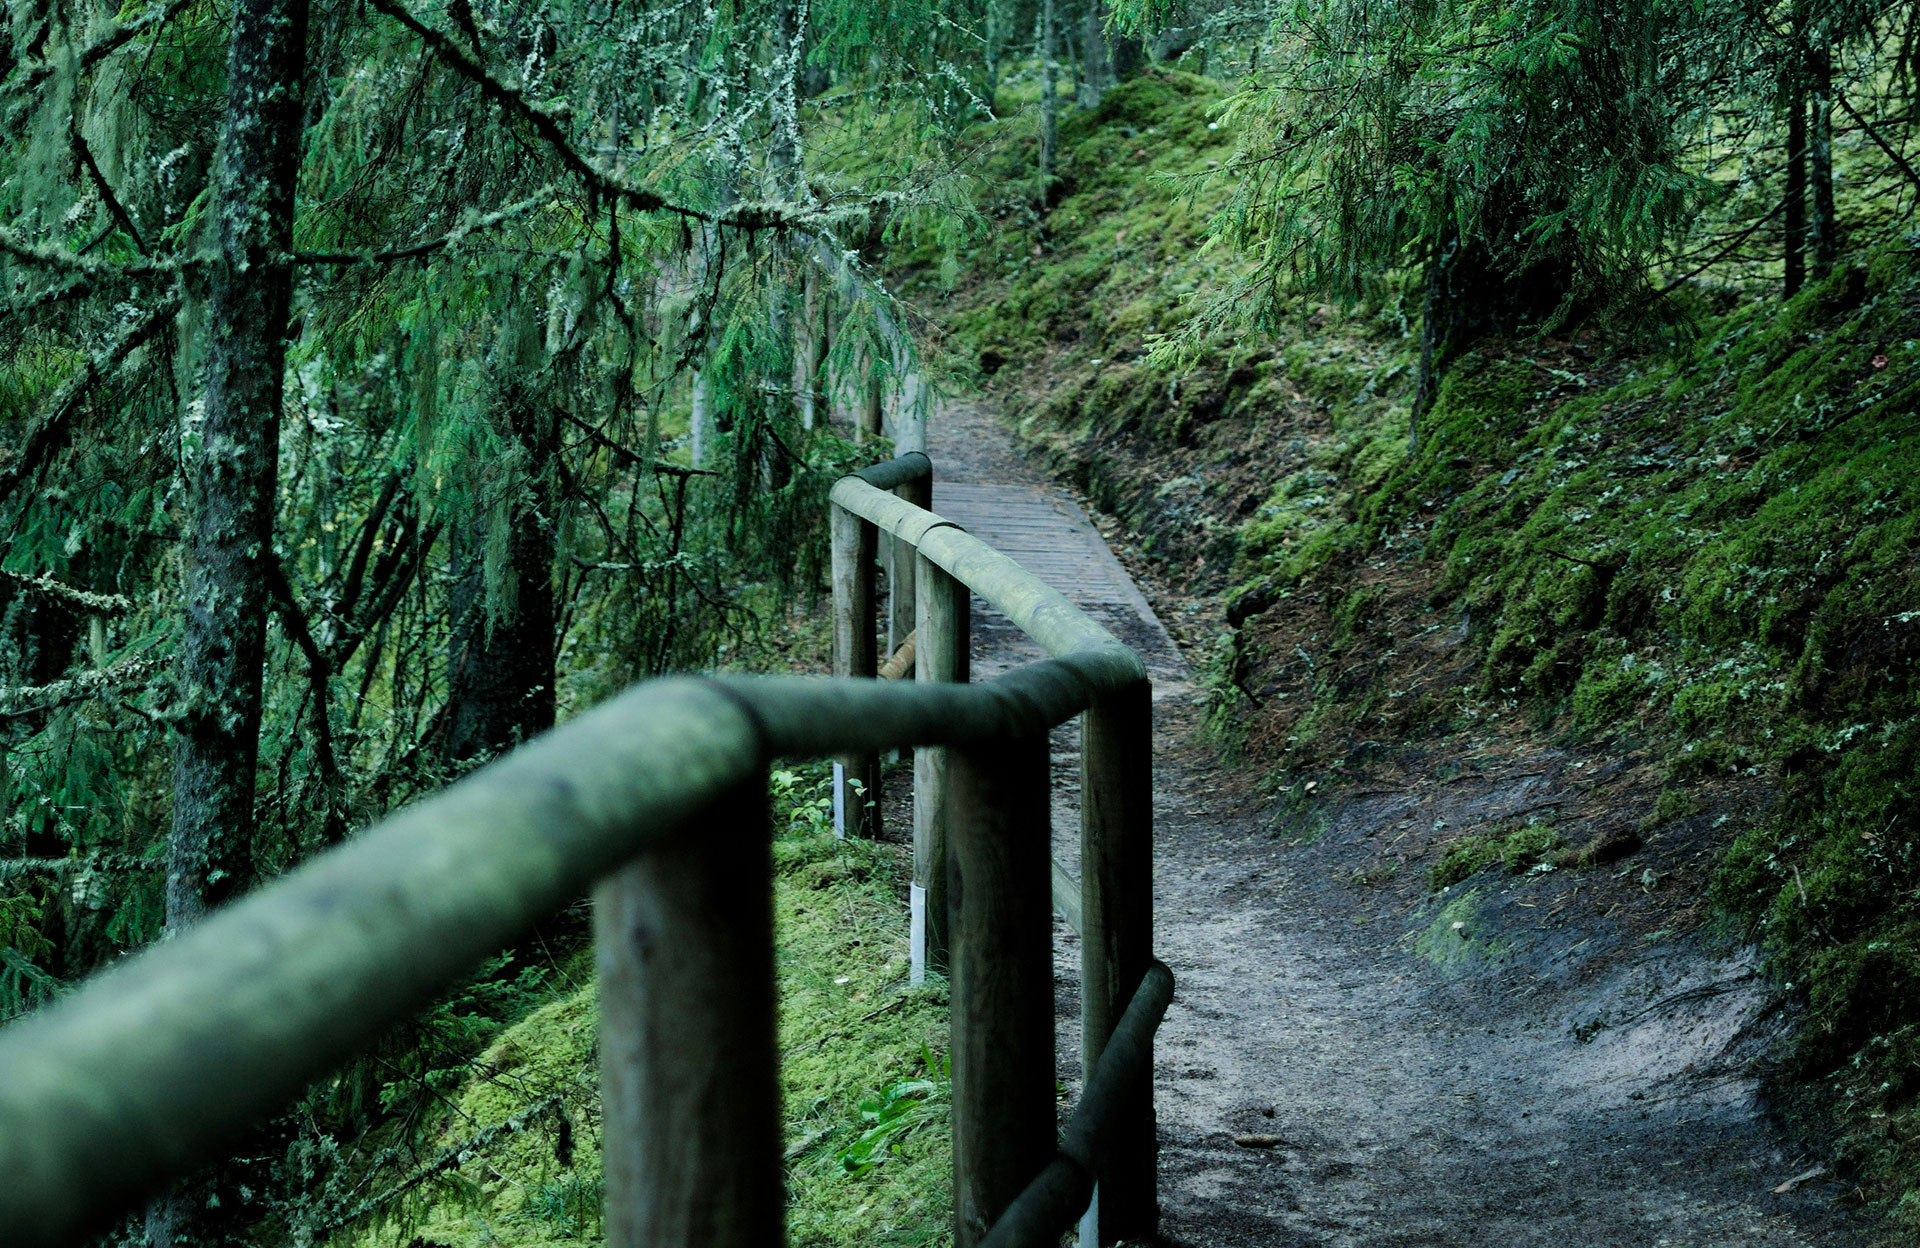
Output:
(1497, 141)
(1518, 849)
(895, 1112)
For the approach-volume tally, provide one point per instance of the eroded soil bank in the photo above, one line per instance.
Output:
(1353, 1064)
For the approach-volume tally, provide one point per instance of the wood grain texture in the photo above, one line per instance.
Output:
(1003, 1040)
(688, 1083)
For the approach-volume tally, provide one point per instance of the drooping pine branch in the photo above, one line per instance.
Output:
(55, 426)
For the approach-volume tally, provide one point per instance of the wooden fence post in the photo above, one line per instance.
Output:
(856, 810)
(1003, 1070)
(1116, 937)
(689, 1090)
(902, 567)
(940, 654)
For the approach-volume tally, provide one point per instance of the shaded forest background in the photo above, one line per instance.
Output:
(380, 382)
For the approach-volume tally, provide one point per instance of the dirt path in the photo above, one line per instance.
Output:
(1477, 1068)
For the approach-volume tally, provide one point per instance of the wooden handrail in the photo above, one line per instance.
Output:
(1111, 906)
(156, 1065)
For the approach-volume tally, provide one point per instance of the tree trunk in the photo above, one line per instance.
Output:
(1823, 233)
(234, 478)
(783, 156)
(1049, 99)
(236, 471)
(996, 39)
(1474, 292)
(1107, 56)
(700, 423)
(1796, 206)
(1425, 380)
(501, 665)
(873, 414)
(810, 354)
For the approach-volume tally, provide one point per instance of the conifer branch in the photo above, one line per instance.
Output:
(108, 196)
(450, 1158)
(25, 700)
(319, 678)
(47, 256)
(79, 288)
(474, 224)
(749, 217)
(29, 77)
(86, 600)
(51, 431)
(1878, 139)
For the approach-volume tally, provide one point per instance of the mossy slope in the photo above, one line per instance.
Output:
(862, 1063)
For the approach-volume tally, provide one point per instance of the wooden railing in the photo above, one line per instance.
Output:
(658, 799)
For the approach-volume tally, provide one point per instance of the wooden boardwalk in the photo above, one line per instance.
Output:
(981, 487)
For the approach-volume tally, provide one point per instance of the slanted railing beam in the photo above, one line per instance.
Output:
(1002, 1012)
(690, 1095)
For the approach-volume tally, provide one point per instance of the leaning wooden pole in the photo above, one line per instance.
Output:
(856, 777)
(1003, 1071)
(940, 655)
(689, 1087)
(1116, 946)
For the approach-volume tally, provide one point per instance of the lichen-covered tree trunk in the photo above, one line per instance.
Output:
(234, 474)
(1108, 55)
(500, 670)
(235, 464)
(1049, 99)
(1796, 195)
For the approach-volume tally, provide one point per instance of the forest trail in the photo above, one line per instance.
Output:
(1339, 1069)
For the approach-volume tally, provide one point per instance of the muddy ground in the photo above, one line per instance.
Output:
(1498, 1064)
(1567, 1057)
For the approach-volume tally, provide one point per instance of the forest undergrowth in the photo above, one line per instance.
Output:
(512, 1155)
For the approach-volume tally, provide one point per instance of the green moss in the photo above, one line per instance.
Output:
(1606, 698)
(1516, 848)
(1672, 805)
(1453, 938)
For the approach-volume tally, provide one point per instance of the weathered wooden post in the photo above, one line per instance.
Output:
(856, 810)
(1116, 938)
(901, 567)
(1003, 1073)
(940, 654)
(689, 1090)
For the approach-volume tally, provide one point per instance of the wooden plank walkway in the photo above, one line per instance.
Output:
(1001, 500)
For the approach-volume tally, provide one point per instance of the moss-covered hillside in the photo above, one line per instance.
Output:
(514, 1158)
(1702, 558)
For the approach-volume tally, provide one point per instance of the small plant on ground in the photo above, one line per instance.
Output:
(1516, 847)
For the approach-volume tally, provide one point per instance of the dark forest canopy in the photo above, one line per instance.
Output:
(380, 381)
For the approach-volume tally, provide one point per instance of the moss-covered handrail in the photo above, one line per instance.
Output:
(154, 1066)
